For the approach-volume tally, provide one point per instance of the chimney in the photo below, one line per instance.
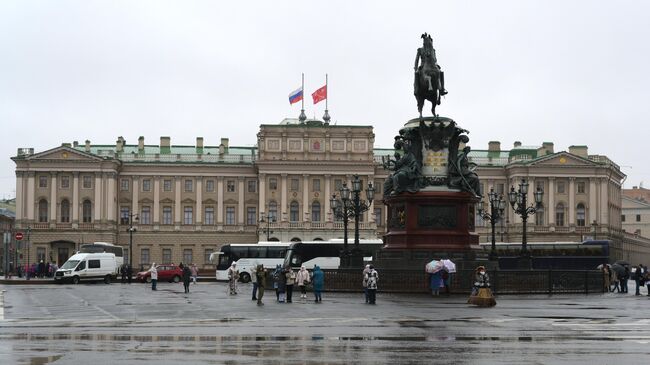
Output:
(75, 144)
(141, 144)
(517, 144)
(579, 151)
(119, 145)
(548, 146)
(87, 147)
(494, 146)
(165, 145)
(199, 143)
(224, 142)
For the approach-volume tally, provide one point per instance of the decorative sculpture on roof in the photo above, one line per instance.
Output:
(429, 79)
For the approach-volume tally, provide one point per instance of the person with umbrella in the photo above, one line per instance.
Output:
(617, 273)
(434, 269)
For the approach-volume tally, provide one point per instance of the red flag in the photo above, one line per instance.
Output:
(320, 94)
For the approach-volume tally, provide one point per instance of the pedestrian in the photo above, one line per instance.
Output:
(364, 282)
(48, 269)
(371, 284)
(282, 285)
(636, 276)
(290, 280)
(302, 279)
(624, 278)
(129, 272)
(606, 278)
(41, 269)
(445, 276)
(123, 273)
(647, 280)
(260, 273)
(435, 282)
(187, 275)
(276, 281)
(233, 276)
(195, 272)
(154, 275)
(318, 278)
(254, 281)
(615, 280)
(481, 292)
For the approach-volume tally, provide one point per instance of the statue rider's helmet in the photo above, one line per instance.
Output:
(426, 39)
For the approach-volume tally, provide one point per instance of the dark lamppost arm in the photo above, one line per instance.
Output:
(132, 218)
(518, 201)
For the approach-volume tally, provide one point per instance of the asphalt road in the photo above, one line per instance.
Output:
(130, 324)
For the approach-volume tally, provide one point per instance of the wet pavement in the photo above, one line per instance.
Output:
(131, 324)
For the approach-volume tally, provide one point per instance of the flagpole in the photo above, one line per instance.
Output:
(302, 116)
(326, 116)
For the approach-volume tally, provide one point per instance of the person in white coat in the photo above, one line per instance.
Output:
(154, 275)
(302, 279)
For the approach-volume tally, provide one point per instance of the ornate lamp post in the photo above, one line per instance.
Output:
(519, 205)
(268, 218)
(352, 206)
(497, 210)
(133, 218)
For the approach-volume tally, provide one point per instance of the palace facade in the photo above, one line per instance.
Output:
(190, 200)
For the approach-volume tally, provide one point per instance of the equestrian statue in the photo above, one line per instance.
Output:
(429, 79)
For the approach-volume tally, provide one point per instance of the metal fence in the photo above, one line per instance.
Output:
(502, 281)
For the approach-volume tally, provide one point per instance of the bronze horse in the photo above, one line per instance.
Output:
(429, 79)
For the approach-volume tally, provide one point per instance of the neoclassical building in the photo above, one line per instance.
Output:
(190, 200)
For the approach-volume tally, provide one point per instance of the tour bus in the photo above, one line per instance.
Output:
(326, 254)
(88, 266)
(584, 255)
(100, 247)
(247, 256)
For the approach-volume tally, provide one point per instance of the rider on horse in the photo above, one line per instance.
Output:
(429, 69)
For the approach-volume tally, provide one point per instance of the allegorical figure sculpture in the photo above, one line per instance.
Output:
(429, 79)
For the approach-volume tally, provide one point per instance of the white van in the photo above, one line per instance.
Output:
(88, 266)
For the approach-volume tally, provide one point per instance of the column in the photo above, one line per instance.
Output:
(98, 197)
(262, 194)
(31, 204)
(283, 199)
(305, 197)
(604, 202)
(328, 195)
(75, 198)
(177, 200)
(53, 199)
(240, 203)
(199, 200)
(136, 195)
(593, 195)
(572, 201)
(220, 200)
(112, 198)
(156, 200)
(19, 196)
(551, 201)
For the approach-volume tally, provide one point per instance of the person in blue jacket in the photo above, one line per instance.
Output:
(318, 278)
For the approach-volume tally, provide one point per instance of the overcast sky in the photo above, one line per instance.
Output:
(568, 72)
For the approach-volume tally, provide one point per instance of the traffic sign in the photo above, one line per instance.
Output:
(19, 236)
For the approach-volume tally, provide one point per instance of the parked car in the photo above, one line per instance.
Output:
(165, 273)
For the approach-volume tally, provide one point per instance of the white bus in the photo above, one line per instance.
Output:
(101, 247)
(247, 256)
(326, 254)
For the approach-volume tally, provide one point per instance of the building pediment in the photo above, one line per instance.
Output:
(562, 159)
(167, 201)
(209, 201)
(630, 203)
(62, 153)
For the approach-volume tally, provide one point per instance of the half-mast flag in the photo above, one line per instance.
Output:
(295, 95)
(320, 94)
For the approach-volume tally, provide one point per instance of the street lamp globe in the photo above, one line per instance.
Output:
(345, 192)
(539, 194)
(512, 196)
(356, 184)
(370, 192)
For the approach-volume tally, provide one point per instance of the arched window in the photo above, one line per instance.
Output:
(65, 211)
(86, 210)
(294, 212)
(580, 215)
(42, 211)
(296, 239)
(315, 212)
(274, 239)
(559, 214)
(273, 211)
(539, 216)
(318, 239)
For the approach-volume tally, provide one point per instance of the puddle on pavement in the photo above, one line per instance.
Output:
(41, 360)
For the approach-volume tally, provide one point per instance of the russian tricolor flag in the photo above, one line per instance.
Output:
(295, 95)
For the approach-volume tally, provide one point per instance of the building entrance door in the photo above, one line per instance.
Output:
(62, 256)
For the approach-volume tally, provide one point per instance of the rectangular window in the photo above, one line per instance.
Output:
(230, 186)
(188, 185)
(251, 216)
(206, 255)
(167, 215)
(145, 215)
(65, 182)
(40, 254)
(145, 259)
(209, 186)
(379, 219)
(539, 217)
(539, 185)
(315, 184)
(167, 185)
(124, 184)
(560, 187)
(146, 185)
(622, 217)
(209, 215)
(559, 217)
(87, 182)
(93, 264)
(500, 188)
(252, 186)
(187, 215)
(167, 256)
(638, 217)
(230, 215)
(124, 215)
(295, 183)
(338, 184)
(581, 187)
(187, 256)
(273, 184)
(42, 181)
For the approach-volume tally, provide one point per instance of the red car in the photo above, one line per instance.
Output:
(165, 273)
